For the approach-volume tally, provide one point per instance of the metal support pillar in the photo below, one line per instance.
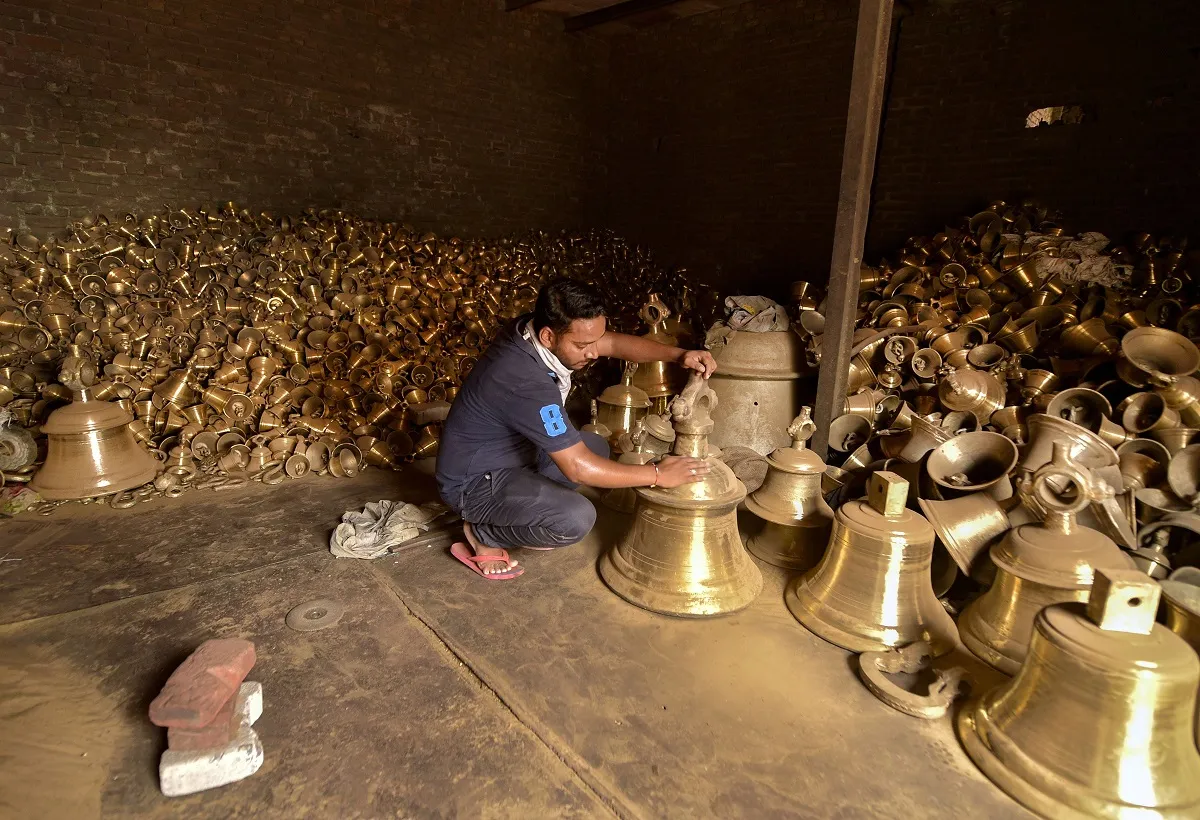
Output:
(854, 200)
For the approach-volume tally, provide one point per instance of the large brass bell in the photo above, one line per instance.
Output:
(658, 380)
(91, 449)
(797, 520)
(1038, 565)
(873, 589)
(758, 380)
(683, 555)
(1100, 719)
(620, 406)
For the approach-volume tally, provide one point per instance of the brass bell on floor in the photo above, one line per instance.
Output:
(797, 520)
(1100, 719)
(620, 406)
(658, 380)
(683, 555)
(1038, 565)
(873, 589)
(91, 449)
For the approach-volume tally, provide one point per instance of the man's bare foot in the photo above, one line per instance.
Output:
(487, 567)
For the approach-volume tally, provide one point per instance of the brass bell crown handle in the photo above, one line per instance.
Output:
(655, 312)
(77, 374)
(691, 416)
(627, 373)
(802, 428)
(887, 493)
(1063, 503)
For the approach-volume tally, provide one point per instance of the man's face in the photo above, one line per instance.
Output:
(575, 347)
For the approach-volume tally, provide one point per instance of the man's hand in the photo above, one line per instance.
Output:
(676, 470)
(699, 360)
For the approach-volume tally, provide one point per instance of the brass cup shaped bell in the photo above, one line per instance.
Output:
(797, 519)
(923, 436)
(925, 363)
(1163, 354)
(872, 589)
(967, 527)
(1085, 447)
(1038, 565)
(1020, 337)
(848, 432)
(1100, 720)
(974, 462)
(972, 391)
(1143, 412)
(683, 554)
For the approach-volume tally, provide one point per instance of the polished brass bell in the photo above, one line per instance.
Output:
(1099, 721)
(658, 380)
(632, 444)
(683, 555)
(91, 449)
(622, 405)
(1038, 565)
(873, 589)
(796, 518)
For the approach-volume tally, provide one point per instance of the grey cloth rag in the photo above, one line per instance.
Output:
(380, 526)
(755, 314)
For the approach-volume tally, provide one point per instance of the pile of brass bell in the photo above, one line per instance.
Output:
(980, 348)
(242, 342)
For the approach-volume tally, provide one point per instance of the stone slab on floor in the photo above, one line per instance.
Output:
(84, 555)
(747, 715)
(370, 718)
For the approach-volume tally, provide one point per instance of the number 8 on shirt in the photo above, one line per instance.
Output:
(552, 420)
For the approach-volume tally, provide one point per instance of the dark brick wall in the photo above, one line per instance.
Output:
(450, 114)
(727, 135)
(966, 77)
(728, 127)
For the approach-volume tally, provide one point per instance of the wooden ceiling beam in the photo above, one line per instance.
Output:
(610, 14)
(513, 5)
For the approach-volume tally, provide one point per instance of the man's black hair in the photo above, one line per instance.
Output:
(562, 302)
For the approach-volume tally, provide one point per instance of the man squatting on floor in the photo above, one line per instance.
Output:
(510, 461)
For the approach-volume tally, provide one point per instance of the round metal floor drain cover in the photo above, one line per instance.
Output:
(313, 615)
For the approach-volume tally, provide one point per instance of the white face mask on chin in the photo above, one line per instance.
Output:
(560, 370)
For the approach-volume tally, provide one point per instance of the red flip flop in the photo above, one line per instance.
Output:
(464, 553)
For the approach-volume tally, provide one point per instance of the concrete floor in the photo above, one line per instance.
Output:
(439, 694)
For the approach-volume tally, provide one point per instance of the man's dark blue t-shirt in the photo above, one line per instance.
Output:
(509, 407)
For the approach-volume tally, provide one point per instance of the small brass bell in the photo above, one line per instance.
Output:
(658, 380)
(797, 518)
(873, 588)
(1100, 719)
(1038, 565)
(91, 448)
(624, 499)
(683, 555)
(621, 405)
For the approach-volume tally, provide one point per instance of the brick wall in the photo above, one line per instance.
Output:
(450, 114)
(728, 126)
(727, 134)
(966, 76)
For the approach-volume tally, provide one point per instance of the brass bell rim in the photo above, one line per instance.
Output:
(761, 548)
(803, 606)
(999, 650)
(777, 517)
(617, 575)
